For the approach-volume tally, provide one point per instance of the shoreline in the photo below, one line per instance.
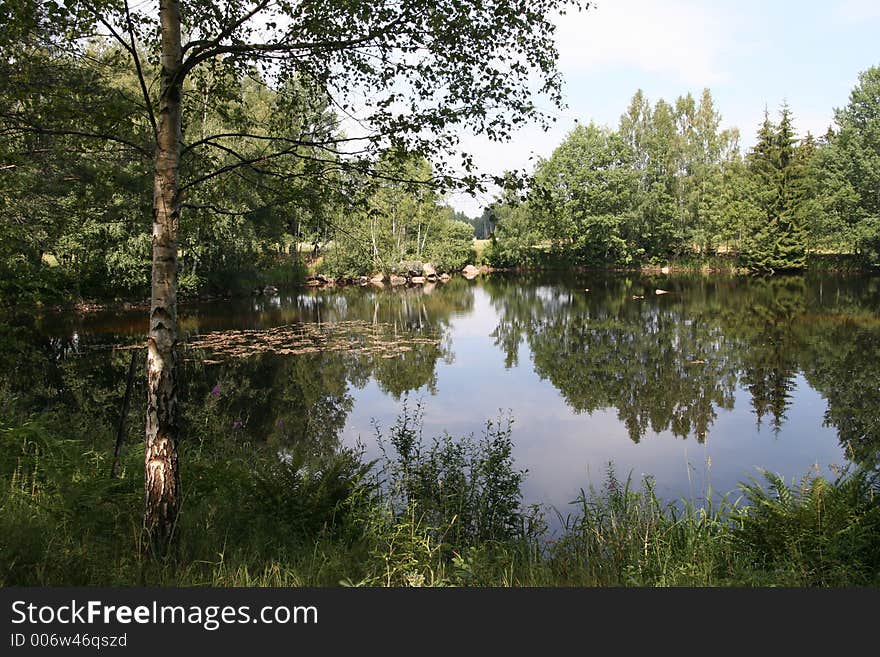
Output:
(381, 281)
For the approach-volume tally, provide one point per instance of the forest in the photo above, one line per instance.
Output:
(77, 216)
(214, 164)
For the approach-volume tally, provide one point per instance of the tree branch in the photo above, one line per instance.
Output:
(140, 74)
(323, 145)
(214, 48)
(227, 32)
(35, 129)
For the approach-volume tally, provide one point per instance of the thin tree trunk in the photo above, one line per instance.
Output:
(375, 243)
(427, 226)
(126, 402)
(161, 474)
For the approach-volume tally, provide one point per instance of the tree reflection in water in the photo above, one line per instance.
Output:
(664, 362)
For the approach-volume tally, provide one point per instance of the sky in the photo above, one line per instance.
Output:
(751, 54)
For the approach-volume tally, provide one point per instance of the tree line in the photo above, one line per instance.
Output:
(670, 184)
(263, 178)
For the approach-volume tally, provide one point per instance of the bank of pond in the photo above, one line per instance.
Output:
(538, 429)
(446, 512)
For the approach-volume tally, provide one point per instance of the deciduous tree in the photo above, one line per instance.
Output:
(411, 76)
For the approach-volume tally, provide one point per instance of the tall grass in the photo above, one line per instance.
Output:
(440, 512)
(622, 536)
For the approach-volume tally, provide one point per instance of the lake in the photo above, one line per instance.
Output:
(698, 385)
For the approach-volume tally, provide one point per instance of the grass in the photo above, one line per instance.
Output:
(479, 249)
(439, 512)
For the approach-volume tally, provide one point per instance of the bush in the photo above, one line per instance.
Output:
(453, 248)
(347, 260)
(815, 532)
(308, 497)
(468, 490)
(284, 271)
(450, 511)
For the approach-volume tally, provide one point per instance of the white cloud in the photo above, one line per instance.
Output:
(676, 37)
(679, 38)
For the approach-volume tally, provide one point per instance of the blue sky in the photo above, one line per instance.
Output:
(750, 53)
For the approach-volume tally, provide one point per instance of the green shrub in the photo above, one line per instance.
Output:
(816, 532)
(467, 489)
(453, 248)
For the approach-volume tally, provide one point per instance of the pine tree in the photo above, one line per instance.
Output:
(778, 242)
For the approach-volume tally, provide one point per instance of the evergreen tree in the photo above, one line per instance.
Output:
(805, 187)
(778, 241)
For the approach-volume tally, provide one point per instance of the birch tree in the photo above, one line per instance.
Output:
(409, 75)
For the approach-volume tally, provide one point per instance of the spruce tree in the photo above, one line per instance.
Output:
(778, 242)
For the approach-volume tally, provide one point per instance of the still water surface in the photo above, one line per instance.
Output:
(697, 387)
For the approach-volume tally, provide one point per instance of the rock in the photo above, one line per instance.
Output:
(433, 278)
(445, 278)
(397, 280)
(636, 297)
(417, 280)
(377, 279)
(270, 289)
(313, 282)
(363, 280)
(428, 270)
(409, 268)
(664, 270)
(470, 272)
(659, 291)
